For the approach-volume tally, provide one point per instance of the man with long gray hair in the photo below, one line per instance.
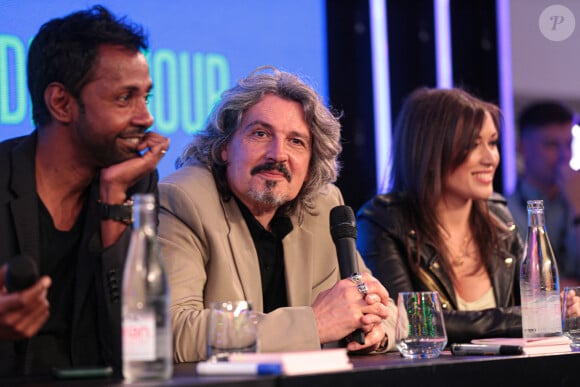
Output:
(246, 216)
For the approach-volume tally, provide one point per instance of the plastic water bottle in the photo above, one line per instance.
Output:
(539, 284)
(147, 339)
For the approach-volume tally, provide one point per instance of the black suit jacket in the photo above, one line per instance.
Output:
(98, 277)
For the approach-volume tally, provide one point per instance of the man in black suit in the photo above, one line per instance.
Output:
(65, 190)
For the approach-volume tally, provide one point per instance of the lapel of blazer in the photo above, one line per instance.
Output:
(244, 255)
(298, 257)
(25, 205)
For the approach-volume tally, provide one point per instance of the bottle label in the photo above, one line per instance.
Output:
(541, 314)
(139, 336)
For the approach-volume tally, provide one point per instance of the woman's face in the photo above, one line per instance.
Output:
(473, 179)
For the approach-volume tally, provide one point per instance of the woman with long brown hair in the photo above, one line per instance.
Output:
(441, 226)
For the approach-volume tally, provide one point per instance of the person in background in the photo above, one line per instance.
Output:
(64, 192)
(246, 216)
(545, 140)
(441, 227)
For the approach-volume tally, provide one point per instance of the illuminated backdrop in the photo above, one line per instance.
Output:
(197, 49)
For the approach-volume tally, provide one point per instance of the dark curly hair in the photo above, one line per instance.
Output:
(65, 50)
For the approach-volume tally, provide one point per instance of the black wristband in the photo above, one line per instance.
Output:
(576, 220)
(119, 212)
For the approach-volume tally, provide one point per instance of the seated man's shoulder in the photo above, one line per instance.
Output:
(329, 192)
(327, 197)
(8, 145)
(195, 182)
(10, 160)
(191, 177)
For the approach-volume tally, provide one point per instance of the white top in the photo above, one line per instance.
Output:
(485, 302)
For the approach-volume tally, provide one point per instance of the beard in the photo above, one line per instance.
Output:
(267, 197)
(100, 150)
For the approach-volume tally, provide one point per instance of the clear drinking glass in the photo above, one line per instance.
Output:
(420, 331)
(232, 328)
(571, 324)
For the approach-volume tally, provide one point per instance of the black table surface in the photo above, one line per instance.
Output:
(381, 370)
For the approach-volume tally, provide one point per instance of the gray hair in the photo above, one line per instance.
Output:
(227, 115)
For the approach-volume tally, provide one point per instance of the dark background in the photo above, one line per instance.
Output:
(411, 37)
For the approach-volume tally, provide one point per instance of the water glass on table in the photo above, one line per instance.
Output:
(232, 329)
(571, 323)
(420, 331)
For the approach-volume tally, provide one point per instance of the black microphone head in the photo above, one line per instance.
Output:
(342, 223)
(21, 273)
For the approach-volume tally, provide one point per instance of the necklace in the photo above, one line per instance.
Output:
(458, 258)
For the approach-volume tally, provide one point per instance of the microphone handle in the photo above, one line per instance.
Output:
(348, 265)
(346, 253)
(21, 273)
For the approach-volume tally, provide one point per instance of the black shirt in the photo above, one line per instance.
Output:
(51, 346)
(270, 256)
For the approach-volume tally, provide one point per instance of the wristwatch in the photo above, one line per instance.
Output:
(119, 212)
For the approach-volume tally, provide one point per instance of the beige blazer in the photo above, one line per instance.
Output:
(210, 256)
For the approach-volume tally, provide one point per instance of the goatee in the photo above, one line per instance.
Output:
(267, 197)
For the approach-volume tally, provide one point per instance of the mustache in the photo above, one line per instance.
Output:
(280, 167)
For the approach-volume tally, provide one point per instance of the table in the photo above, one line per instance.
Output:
(384, 370)
(450, 371)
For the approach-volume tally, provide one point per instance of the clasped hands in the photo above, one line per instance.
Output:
(342, 309)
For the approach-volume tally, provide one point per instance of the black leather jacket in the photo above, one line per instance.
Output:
(382, 243)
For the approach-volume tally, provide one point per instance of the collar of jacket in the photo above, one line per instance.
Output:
(502, 270)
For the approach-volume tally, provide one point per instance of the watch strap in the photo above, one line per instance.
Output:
(119, 212)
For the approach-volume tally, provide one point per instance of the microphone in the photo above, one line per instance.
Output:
(21, 273)
(343, 232)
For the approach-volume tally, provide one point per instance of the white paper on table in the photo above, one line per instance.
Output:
(300, 362)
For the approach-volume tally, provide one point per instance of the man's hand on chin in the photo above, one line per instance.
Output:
(121, 176)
